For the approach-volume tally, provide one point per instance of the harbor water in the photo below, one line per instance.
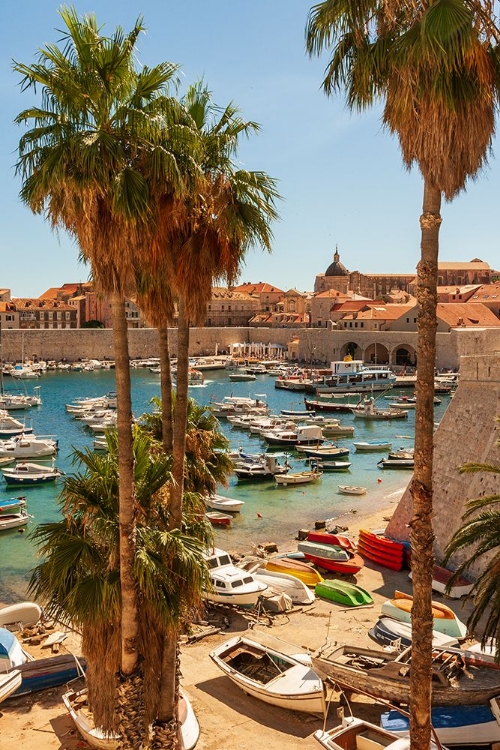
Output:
(270, 513)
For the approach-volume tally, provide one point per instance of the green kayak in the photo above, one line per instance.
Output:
(343, 592)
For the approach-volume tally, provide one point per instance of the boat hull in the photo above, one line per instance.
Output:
(344, 593)
(300, 570)
(348, 567)
(444, 619)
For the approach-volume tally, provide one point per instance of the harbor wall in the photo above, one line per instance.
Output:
(313, 345)
(468, 431)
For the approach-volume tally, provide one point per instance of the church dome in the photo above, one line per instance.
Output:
(336, 268)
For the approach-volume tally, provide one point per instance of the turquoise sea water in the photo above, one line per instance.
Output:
(269, 514)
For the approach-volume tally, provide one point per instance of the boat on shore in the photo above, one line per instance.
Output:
(279, 582)
(456, 679)
(301, 570)
(343, 592)
(356, 734)
(445, 620)
(230, 584)
(388, 632)
(21, 613)
(270, 675)
(77, 706)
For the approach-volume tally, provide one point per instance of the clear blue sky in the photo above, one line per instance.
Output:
(340, 175)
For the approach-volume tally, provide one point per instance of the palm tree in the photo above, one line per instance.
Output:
(481, 532)
(96, 147)
(434, 64)
(79, 578)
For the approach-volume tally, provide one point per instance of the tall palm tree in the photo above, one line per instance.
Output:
(95, 148)
(79, 577)
(434, 65)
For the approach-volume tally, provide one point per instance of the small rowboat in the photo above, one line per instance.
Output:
(270, 675)
(14, 520)
(321, 465)
(445, 620)
(327, 537)
(349, 489)
(381, 550)
(13, 505)
(387, 631)
(299, 477)
(318, 549)
(23, 613)
(9, 683)
(224, 504)
(351, 566)
(372, 445)
(217, 518)
(355, 733)
(343, 592)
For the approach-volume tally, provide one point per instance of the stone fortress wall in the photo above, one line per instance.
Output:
(467, 432)
(314, 345)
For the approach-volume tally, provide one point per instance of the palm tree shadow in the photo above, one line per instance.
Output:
(294, 723)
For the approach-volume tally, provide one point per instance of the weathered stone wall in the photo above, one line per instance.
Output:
(468, 432)
(315, 344)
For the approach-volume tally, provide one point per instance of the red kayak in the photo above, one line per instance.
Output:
(381, 542)
(370, 553)
(349, 567)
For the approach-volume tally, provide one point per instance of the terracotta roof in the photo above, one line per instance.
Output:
(466, 314)
(486, 293)
(473, 265)
(333, 293)
(36, 303)
(224, 293)
(261, 288)
(383, 312)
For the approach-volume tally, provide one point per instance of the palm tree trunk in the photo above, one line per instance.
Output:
(422, 535)
(166, 391)
(180, 420)
(130, 701)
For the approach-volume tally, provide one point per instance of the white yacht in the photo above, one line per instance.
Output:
(231, 585)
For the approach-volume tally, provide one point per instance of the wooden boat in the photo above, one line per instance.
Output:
(217, 518)
(13, 505)
(466, 726)
(230, 584)
(445, 620)
(37, 674)
(318, 549)
(14, 520)
(299, 477)
(372, 445)
(301, 570)
(321, 465)
(355, 734)
(387, 631)
(349, 489)
(329, 537)
(30, 473)
(224, 504)
(328, 406)
(77, 707)
(22, 613)
(9, 683)
(343, 592)
(270, 675)
(456, 681)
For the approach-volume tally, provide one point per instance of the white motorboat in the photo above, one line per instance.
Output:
(242, 376)
(28, 446)
(266, 467)
(368, 410)
(299, 477)
(270, 675)
(12, 402)
(77, 707)
(224, 504)
(9, 427)
(29, 473)
(230, 584)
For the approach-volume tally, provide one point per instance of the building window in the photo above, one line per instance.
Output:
(210, 307)
(68, 316)
(222, 307)
(229, 307)
(361, 325)
(229, 321)
(414, 320)
(407, 320)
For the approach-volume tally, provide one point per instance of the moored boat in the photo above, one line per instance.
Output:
(271, 676)
(343, 592)
(398, 463)
(27, 473)
(350, 489)
(14, 520)
(321, 465)
(224, 504)
(12, 505)
(372, 445)
(299, 477)
(217, 518)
